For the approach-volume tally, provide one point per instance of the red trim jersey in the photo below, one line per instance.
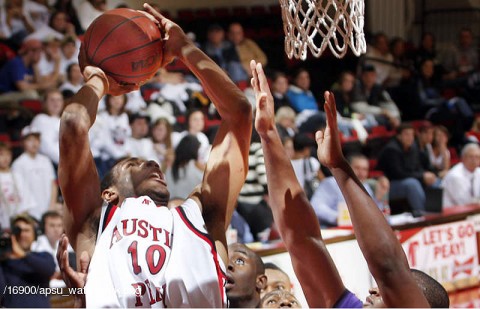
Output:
(152, 256)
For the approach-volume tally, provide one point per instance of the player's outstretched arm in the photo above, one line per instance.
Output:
(295, 218)
(77, 174)
(227, 165)
(384, 254)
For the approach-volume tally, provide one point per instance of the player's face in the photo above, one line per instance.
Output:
(241, 272)
(137, 177)
(280, 299)
(276, 280)
(374, 300)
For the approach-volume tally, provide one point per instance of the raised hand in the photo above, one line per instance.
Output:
(329, 150)
(174, 39)
(265, 113)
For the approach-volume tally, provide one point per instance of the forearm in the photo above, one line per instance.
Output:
(226, 96)
(89, 96)
(377, 241)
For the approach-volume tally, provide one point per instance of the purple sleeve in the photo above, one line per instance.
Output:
(348, 300)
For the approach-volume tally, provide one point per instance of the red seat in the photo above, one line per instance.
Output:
(221, 12)
(203, 13)
(258, 10)
(34, 105)
(240, 11)
(186, 15)
(4, 138)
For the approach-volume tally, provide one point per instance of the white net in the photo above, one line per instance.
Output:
(316, 24)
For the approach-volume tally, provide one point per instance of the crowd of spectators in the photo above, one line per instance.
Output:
(421, 100)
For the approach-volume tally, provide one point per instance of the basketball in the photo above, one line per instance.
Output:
(125, 44)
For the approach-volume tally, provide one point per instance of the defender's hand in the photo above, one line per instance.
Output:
(264, 112)
(329, 150)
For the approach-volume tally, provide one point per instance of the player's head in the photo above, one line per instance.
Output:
(277, 279)
(279, 299)
(434, 292)
(245, 276)
(132, 177)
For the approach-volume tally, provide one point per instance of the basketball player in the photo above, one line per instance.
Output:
(142, 253)
(398, 285)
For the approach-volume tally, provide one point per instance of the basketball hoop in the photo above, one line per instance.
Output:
(317, 24)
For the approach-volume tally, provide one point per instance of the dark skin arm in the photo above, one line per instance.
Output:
(227, 166)
(382, 251)
(291, 209)
(310, 259)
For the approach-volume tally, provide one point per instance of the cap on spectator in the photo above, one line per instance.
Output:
(30, 44)
(139, 115)
(366, 67)
(29, 130)
(302, 141)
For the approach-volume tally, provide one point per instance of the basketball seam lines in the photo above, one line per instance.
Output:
(113, 29)
(128, 51)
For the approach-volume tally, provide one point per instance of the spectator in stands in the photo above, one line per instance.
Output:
(242, 229)
(15, 25)
(18, 79)
(327, 195)
(108, 136)
(24, 268)
(285, 120)
(38, 173)
(67, 7)
(245, 277)
(253, 198)
(88, 10)
(309, 118)
(279, 299)
(50, 63)
(279, 90)
(277, 279)
(461, 185)
(15, 196)
(37, 11)
(69, 54)
(426, 50)
(400, 161)
(195, 121)
(307, 168)
(215, 45)
(424, 141)
(238, 56)
(463, 58)
(139, 144)
(402, 68)
(58, 27)
(347, 118)
(48, 124)
(378, 55)
(162, 143)
(52, 230)
(74, 80)
(439, 152)
(186, 171)
(299, 92)
(370, 98)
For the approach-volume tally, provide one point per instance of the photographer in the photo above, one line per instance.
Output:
(24, 272)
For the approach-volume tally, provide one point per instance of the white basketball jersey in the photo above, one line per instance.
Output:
(149, 256)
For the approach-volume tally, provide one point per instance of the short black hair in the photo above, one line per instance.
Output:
(434, 292)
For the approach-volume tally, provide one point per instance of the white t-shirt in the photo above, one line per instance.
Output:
(49, 127)
(14, 197)
(39, 175)
(189, 177)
